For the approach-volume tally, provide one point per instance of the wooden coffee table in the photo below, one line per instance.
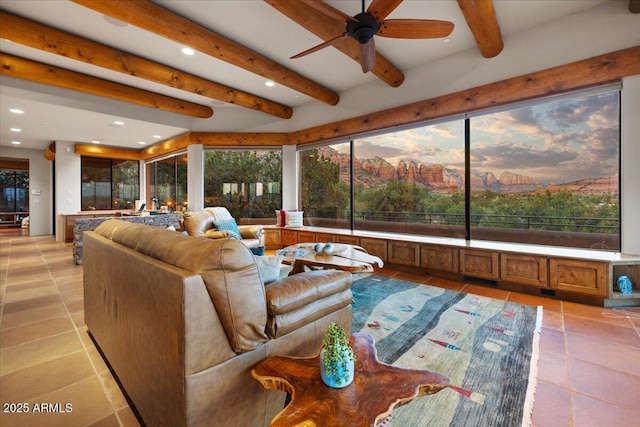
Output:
(345, 257)
(377, 388)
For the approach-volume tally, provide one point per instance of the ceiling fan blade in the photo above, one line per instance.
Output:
(368, 55)
(321, 45)
(415, 28)
(380, 9)
(330, 11)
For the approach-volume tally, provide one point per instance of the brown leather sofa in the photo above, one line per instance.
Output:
(202, 224)
(182, 320)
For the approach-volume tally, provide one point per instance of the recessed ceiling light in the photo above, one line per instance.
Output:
(118, 123)
(16, 111)
(446, 40)
(188, 51)
(16, 142)
(142, 143)
(269, 83)
(96, 141)
(157, 136)
(15, 130)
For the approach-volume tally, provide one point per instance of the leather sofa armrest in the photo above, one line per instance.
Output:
(251, 231)
(300, 299)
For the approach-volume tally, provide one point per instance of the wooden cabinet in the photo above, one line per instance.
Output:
(376, 247)
(479, 263)
(441, 258)
(524, 269)
(349, 240)
(325, 237)
(405, 253)
(288, 237)
(272, 238)
(587, 277)
(306, 237)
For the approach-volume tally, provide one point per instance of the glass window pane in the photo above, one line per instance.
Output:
(96, 184)
(125, 184)
(548, 174)
(325, 185)
(247, 182)
(412, 181)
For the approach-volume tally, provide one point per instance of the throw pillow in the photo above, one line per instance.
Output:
(281, 218)
(269, 267)
(294, 219)
(229, 225)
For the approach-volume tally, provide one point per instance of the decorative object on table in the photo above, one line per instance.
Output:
(336, 358)
(469, 338)
(326, 248)
(623, 285)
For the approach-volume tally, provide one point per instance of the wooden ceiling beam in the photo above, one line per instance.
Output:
(25, 69)
(590, 72)
(107, 152)
(481, 19)
(158, 20)
(42, 37)
(327, 28)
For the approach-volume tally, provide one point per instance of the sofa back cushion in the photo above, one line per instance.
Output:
(226, 266)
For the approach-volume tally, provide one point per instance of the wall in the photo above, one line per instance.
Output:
(630, 169)
(40, 179)
(68, 193)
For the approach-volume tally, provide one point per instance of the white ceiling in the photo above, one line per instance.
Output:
(52, 114)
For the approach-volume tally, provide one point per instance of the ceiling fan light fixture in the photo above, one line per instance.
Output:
(364, 28)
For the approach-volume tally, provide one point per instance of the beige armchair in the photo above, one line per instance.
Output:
(217, 223)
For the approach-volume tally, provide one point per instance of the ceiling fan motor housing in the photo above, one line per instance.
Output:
(364, 29)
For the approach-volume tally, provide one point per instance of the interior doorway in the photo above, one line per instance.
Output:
(14, 195)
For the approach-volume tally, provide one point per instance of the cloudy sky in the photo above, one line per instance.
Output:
(553, 142)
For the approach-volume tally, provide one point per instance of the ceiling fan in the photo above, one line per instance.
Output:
(367, 24)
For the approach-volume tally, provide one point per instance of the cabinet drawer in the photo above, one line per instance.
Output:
(439, 258)
(479, 263)
(306, 237)
(288, 237)
(578, 276)
(524, 269)
(375, 247)
(405, 253)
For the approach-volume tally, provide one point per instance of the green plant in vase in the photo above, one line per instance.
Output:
(337, 360)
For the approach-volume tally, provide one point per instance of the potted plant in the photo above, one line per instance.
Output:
(337, 360)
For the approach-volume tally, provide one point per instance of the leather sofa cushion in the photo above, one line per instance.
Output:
(226, 266)
(197, 223)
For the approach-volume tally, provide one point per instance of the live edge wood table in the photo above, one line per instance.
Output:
(377, 388)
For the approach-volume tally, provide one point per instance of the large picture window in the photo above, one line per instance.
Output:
(548, 173)
(109, 183)
(247, 182)
(167, 183)
(412, 181)
(325, 185)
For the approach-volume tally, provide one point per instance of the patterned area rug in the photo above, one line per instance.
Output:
(487, 347)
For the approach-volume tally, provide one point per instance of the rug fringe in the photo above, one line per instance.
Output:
(533, 371)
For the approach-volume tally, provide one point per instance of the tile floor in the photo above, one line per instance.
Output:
(588, 373)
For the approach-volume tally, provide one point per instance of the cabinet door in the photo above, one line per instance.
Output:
(439, 258)
(325, 237)
(376, 247)
(405, 253)
(288, 237)
(524, 269)
(349, 240)
(479, 263)
(272, 238)
(587, 277)
(306, 237)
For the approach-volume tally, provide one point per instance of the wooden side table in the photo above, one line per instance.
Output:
(377, 388)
